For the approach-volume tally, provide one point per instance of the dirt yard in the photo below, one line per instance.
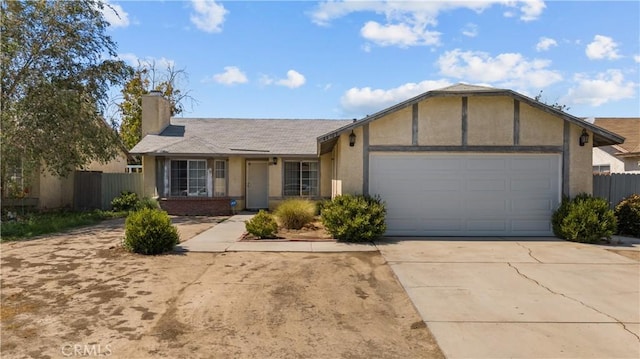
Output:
(79, 294)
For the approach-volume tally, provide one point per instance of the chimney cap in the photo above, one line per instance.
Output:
(155, 93)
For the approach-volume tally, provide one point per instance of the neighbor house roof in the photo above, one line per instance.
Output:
(627, 127)
(602, 137)
(224, 136)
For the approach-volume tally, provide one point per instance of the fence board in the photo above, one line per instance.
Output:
(114, 183)
(86, 190)
(616, 186)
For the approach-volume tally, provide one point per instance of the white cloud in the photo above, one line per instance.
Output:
(602, 47)
(545, 44)
(160, 63)
(510, 70)
(294, 79)
(115, 14)
(636, 58)
(232, 75)
(419, 12)
(531, 10)
(604, 87)
(470, 30)
(401, 35)
(208, 15)
(365, 100)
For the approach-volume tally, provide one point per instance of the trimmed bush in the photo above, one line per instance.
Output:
(126, 201)
(583, 219)
(262, 225)
(149, 203)
(149, 231)
(627, 214)
(352, 218)
(295, 213)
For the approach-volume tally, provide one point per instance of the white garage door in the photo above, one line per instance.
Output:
(467, 194)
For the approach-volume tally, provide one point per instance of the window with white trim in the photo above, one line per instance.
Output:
(602, 169)
(188, 178)
(301, 178)
(220, 178)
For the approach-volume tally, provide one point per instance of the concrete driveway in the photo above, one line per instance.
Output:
(524, 298)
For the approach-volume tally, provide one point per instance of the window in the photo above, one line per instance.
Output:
(220, 178)
(602, 169)
(188, 178)
(300, 178)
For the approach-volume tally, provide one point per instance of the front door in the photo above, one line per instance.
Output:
(257, 184)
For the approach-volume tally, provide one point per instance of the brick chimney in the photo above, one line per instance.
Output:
(156, 113)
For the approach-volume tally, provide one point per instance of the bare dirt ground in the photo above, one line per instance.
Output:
(79, 294)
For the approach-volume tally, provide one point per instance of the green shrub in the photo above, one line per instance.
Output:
(262, 225)
(354, 218)
(583, 219)
(126, 201)
(149, 231)
(627, 214)
(149, 203)
(295, 213)
(320, 205)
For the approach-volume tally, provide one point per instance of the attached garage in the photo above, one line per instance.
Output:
(470, 194)
(466, 160)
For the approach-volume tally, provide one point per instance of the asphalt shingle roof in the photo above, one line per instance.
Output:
(223, 136)
(629, 128)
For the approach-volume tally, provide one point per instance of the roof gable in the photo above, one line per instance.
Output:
(602, 137)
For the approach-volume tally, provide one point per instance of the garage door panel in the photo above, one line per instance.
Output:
(527, 184)
(487, 225)
(486, 208)
(486, 164)
(487, 185)
(530, 225)
(532, 205)
(466, 194)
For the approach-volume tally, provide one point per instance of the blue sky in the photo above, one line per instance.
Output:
(347, 59)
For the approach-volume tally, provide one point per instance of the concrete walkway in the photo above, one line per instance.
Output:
(225, 237)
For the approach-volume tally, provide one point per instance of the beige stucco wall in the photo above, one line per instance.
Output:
(393, 129)
(275, 180)
(236, 180)
(439, 122)
(156, 114)
(538, 128)
(326, 163)
(349, 164)
(55, 192)
(117, 165)
(580, 163)
(490, 121)
(149, 176)
(604, 156)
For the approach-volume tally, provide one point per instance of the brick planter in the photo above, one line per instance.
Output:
(196, 206)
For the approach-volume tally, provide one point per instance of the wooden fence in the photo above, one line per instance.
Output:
(615, 186)
(95, 190)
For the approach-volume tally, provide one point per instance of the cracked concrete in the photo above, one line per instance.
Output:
(521, 298)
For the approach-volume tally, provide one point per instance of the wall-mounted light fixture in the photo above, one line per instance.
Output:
(584, 137)
(274, 160)
(352, 139)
